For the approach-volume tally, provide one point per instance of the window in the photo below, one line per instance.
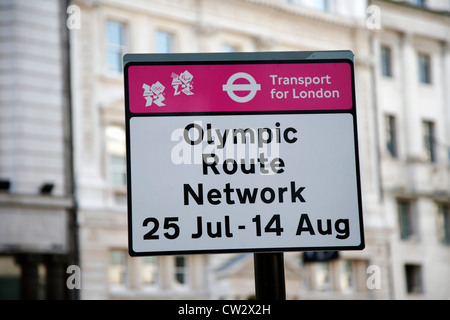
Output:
(150, 271)
(321, 5)
(164, 42)
(347, 282)
(413, 274)
(181, 270)
(406, 221)
(115, 148)
(115, 45)
(444, 222)
(424, 68)
(290, 1)
(229, 48)
(386, 61)
(9, 278)
(419, 3)
(429, 141)
(117, 171)
(391, 135)
(117, 270)
(323, 276)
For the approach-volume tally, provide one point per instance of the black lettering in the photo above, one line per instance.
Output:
(208, 134)
(194, 134)
(271, 197)
(277, 133)
(261, 140)
(280, 193)
(186, 134)
(247, 195)
(276, 164)
(214, 194)
(251, 169)
(199, 229)
(304, 219)
(343, 232)
(188, 190)
(222, 138)
(262, 160)
(228, 233)
(207, 164)
(212, 234)
(297, 193)
(286, 135)
(228, 192)
(319, 227)
(243, 133)
(234, 166)
(151, 234)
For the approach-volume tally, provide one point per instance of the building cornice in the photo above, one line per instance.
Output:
(414, 21)
(295, 10)
(301, 11)
(36, 201)
(406, 5)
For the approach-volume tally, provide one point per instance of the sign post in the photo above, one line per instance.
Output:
(269, 276)
(242, 152)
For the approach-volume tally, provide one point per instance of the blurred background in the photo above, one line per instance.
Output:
(63, 215)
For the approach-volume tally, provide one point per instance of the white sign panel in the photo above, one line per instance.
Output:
(262, 158)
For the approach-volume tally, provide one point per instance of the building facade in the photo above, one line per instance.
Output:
(402, 74)
(108, 30)
(412, 82)
(401, 65)
(37, 207)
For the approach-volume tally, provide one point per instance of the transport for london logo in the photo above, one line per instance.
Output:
(252, 87)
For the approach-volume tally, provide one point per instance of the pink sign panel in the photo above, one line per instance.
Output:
(239, 87)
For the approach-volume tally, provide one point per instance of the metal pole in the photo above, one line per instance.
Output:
(269, 276)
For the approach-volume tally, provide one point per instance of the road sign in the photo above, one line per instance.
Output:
(242, 152)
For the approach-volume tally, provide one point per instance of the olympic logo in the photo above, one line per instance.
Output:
(252, 87)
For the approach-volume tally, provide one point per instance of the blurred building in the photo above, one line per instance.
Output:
(402, 71)
(37, 207)
(402, 65)
(412, 104)
(111, 28)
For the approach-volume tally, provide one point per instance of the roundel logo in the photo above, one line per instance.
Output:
(252, 87)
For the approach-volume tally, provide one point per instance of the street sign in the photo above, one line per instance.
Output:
(242, 152)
